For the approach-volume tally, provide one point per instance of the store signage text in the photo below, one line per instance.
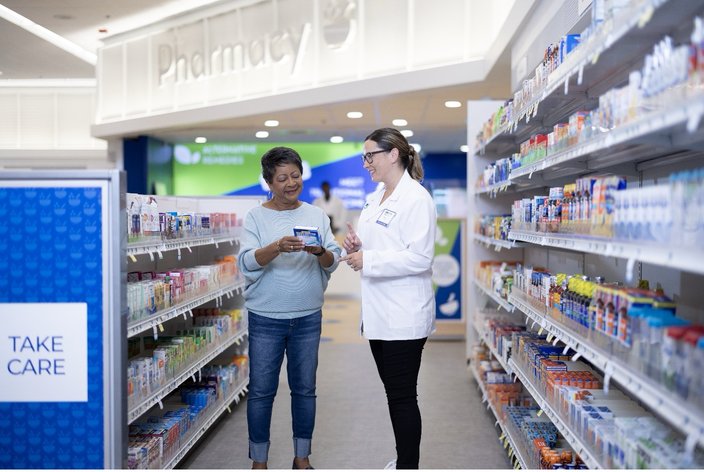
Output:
(231, 57)
(47, 348)
(44, 352)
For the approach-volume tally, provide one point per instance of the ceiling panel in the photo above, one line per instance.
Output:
(436, 127)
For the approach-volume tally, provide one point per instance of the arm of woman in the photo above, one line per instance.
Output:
(254, 256)
(328, 253)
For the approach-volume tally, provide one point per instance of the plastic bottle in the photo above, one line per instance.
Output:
(678, 206)
(686, 369)
(696, 369)
(658, 322)
(672, 355)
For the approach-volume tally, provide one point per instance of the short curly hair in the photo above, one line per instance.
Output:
(279, 156)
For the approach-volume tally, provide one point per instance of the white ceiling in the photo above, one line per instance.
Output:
(436, 127)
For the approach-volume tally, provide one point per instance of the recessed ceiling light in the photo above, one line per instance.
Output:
(464, 148)
(407, 133)
(201, 140)
(453, 104)
(416, 146)
(262, 134)
(399, 122)
(355, 114)
(336, 139)
(271, 123)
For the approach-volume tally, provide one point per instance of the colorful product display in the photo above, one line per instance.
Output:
(618, 432)
(494, 227)
(146, 221)
(669, 74)
(670, 213)
(636, 325)
(155, 441)
(150, 292)
(154, 362)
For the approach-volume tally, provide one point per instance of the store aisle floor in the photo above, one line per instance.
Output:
(353, 430)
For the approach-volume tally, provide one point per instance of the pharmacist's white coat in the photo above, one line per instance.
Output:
(397, 293)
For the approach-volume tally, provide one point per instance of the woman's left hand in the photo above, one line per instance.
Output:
(354, 260)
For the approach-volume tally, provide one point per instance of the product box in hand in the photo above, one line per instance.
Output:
(309, 234)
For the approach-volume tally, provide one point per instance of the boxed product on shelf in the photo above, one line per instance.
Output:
(142, 217)
(155, 441)
(497, 276)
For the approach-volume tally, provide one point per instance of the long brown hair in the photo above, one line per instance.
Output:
(389, 138)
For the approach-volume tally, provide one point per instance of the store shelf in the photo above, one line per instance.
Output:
(484, 336)
(596, 65)
(687, 418)
(205, 426)
(493, 189)
(689, 260)
(506, 433)
(151, 247)
(597, 153)
(499, 301)
(574, 439)
(162, 316)
(497, 243)
(191, 371)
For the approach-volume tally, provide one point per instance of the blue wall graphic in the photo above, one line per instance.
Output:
(52, 252)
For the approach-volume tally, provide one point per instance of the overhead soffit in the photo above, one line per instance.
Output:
(423, 109)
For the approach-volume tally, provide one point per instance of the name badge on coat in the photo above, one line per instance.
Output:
(385, 218)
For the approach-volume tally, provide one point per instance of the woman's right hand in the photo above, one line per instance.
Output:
(352, 243)
(289, 244)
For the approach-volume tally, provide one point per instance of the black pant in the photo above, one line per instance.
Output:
(398, 363)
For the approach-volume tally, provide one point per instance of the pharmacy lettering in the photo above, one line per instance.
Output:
(229, 55)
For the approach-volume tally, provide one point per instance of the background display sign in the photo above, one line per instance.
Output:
(235, 169)
(447, 271)
(56, 393)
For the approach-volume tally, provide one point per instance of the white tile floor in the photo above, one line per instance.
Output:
(353, 430)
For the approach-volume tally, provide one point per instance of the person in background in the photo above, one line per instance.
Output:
(393, 250)
(332, 206)
(285, 281)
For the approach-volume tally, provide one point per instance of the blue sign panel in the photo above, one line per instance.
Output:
(51, 328)
(447, 269)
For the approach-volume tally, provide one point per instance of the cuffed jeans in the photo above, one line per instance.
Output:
(398, 363)
(269, 339)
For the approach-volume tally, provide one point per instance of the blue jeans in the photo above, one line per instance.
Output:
(269, 339)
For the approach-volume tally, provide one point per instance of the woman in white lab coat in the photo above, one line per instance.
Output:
(393, 250)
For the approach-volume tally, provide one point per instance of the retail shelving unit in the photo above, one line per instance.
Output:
(686, 259)
(188, 252)
(493, 296)
(515, 449)
(650, 393)
(645, 150)
(162, 316)
(159, 247)
(189, 371)
(497, 243)
(568, 432)
(198, 431)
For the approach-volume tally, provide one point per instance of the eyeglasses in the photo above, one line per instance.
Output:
(368, 157)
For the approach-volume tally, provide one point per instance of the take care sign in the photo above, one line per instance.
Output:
(43, 352)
